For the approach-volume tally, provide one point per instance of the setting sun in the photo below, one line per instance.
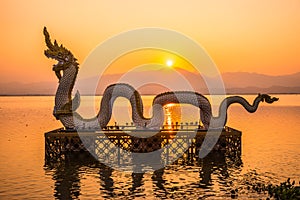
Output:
(169, 63)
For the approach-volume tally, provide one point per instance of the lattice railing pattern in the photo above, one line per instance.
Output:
(116, 146)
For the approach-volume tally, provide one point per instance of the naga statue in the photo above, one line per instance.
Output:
(65, 107)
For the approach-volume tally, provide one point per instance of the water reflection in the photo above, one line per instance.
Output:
(107, 183)
(214, 172)
(157, 183)
(218, 163)
(66, 174)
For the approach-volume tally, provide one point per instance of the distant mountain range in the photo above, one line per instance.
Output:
(242, 82)
(235, 82)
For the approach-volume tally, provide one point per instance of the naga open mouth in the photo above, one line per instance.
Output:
(56, 56)
(59, 66)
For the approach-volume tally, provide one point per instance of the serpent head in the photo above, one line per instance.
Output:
(59, 53)
(267, 98)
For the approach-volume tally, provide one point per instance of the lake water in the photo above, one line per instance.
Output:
(270, 154)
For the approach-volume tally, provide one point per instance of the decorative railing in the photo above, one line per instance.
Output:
(115, 144)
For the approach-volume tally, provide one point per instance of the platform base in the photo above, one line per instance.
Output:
(117, 146)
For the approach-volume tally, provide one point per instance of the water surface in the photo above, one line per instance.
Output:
(270, 153)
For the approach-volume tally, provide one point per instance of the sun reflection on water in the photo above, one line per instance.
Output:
(172, 116)
(181, 116)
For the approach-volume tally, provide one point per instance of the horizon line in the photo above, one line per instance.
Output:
(180, 68)
(228, 93)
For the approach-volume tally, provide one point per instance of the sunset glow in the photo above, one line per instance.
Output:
(137, 58)
(244, 36)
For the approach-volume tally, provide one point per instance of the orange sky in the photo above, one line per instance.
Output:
(251, 36)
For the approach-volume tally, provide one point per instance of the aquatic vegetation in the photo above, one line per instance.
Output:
(285, 190)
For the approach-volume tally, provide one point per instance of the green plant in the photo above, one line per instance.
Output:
(285, 190)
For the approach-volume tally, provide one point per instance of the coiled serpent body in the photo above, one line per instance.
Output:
(65, 107)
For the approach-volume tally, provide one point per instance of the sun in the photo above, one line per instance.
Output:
(169, 63)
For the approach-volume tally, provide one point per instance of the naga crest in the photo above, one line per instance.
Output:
(59, 53)
(267, 98)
